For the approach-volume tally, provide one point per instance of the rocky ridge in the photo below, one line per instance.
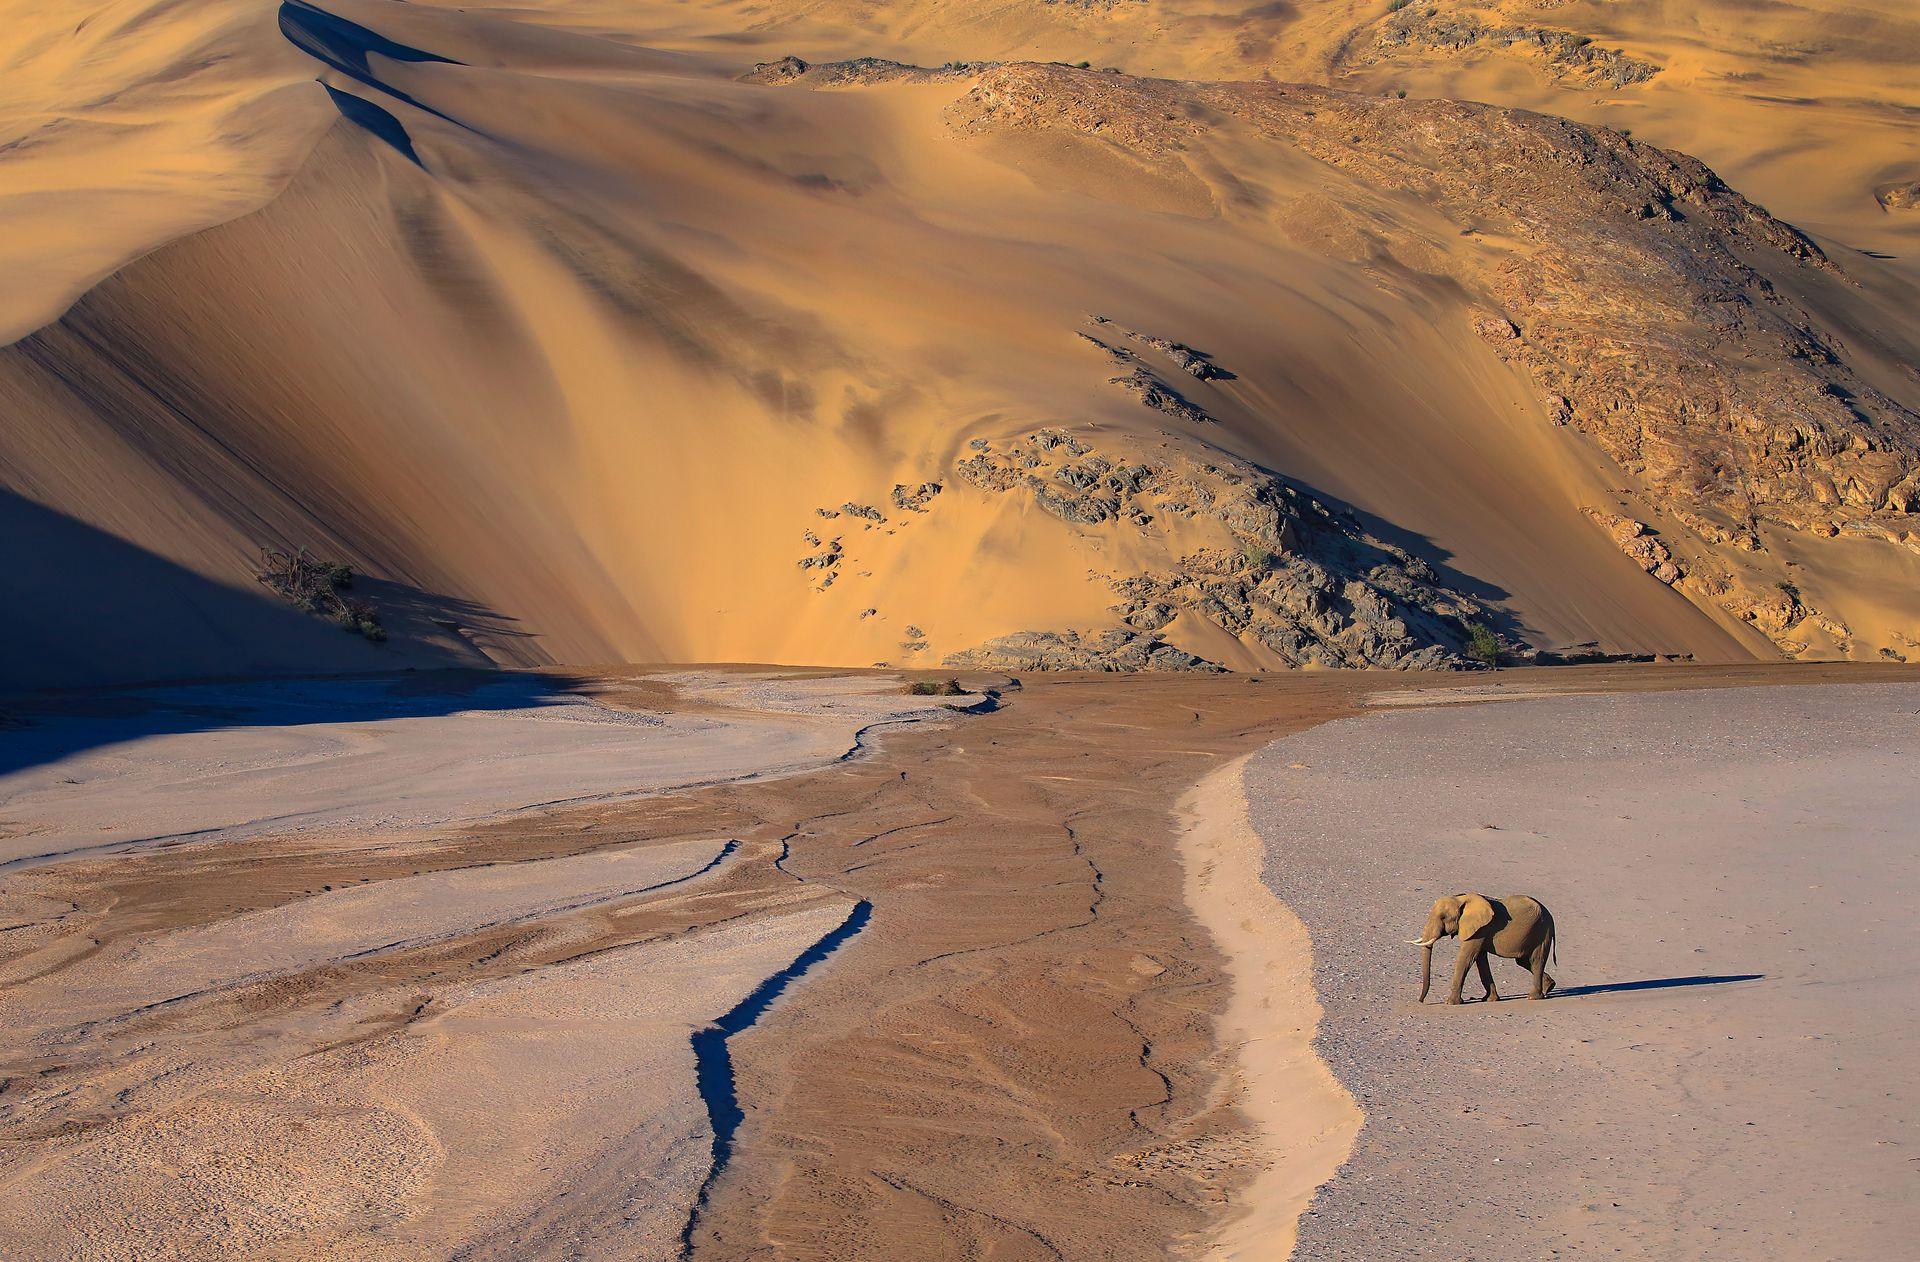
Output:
(1302, 582)
(1567, 55)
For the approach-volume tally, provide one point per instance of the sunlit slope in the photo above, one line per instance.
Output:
(594, 352)
(1805, 105)
(127, 123)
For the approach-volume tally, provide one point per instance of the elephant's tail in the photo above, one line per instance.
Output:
(1553, 946)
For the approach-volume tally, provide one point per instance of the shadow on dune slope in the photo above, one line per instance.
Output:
(345, 45)
(376, 120)
(87, 607)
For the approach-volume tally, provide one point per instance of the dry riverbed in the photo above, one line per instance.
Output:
(941, 995)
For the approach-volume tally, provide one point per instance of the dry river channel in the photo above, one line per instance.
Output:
(942, 998)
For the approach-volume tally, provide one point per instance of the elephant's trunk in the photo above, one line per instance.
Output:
(1426, 970)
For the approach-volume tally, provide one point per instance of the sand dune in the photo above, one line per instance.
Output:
(586, 350)
(126, 124)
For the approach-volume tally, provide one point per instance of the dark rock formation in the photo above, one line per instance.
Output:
(1193, 362)
(914, 499)
(1144, 384)
(1107, 651)
(1302, 580)
(1569, 55)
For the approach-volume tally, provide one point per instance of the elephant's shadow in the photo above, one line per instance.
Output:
(1656, 983)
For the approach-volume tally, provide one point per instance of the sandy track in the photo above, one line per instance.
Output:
(1305, 1119)
(1728, 1071)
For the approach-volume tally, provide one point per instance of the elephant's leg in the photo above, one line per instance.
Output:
(1542, 984)
(1469, 952)
(1486, 978)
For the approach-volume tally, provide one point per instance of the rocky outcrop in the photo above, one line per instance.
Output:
(824, 564)
(1194, 363)
(1901, 196)
(1637, 540)
(1297, 581)
(1149, 387)
(858, 71)
(1567, 55)
(1105, 651)
(914, 499)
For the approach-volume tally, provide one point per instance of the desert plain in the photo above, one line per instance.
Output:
(860, 629)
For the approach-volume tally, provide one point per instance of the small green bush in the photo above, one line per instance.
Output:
(1260, 558)
(1482, 645)
(936, 688)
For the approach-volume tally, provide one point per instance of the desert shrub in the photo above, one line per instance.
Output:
(1482, 644)
(1394, 6)
(936, 688)
(314, 586)
(1258, 557)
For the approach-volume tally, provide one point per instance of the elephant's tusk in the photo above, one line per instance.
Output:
(1420, 942)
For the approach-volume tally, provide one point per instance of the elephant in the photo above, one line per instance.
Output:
(1517, 927)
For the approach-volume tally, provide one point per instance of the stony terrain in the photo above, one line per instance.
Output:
(1568, 55)
(1301, 579)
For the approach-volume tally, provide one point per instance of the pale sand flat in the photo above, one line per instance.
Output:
(483, 1127)
(1729, 1068)
(222, 762)
(340, 924)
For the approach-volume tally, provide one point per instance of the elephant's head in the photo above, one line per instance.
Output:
(1456, 915)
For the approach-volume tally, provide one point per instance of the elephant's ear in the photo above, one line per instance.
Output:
(1476, 913)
